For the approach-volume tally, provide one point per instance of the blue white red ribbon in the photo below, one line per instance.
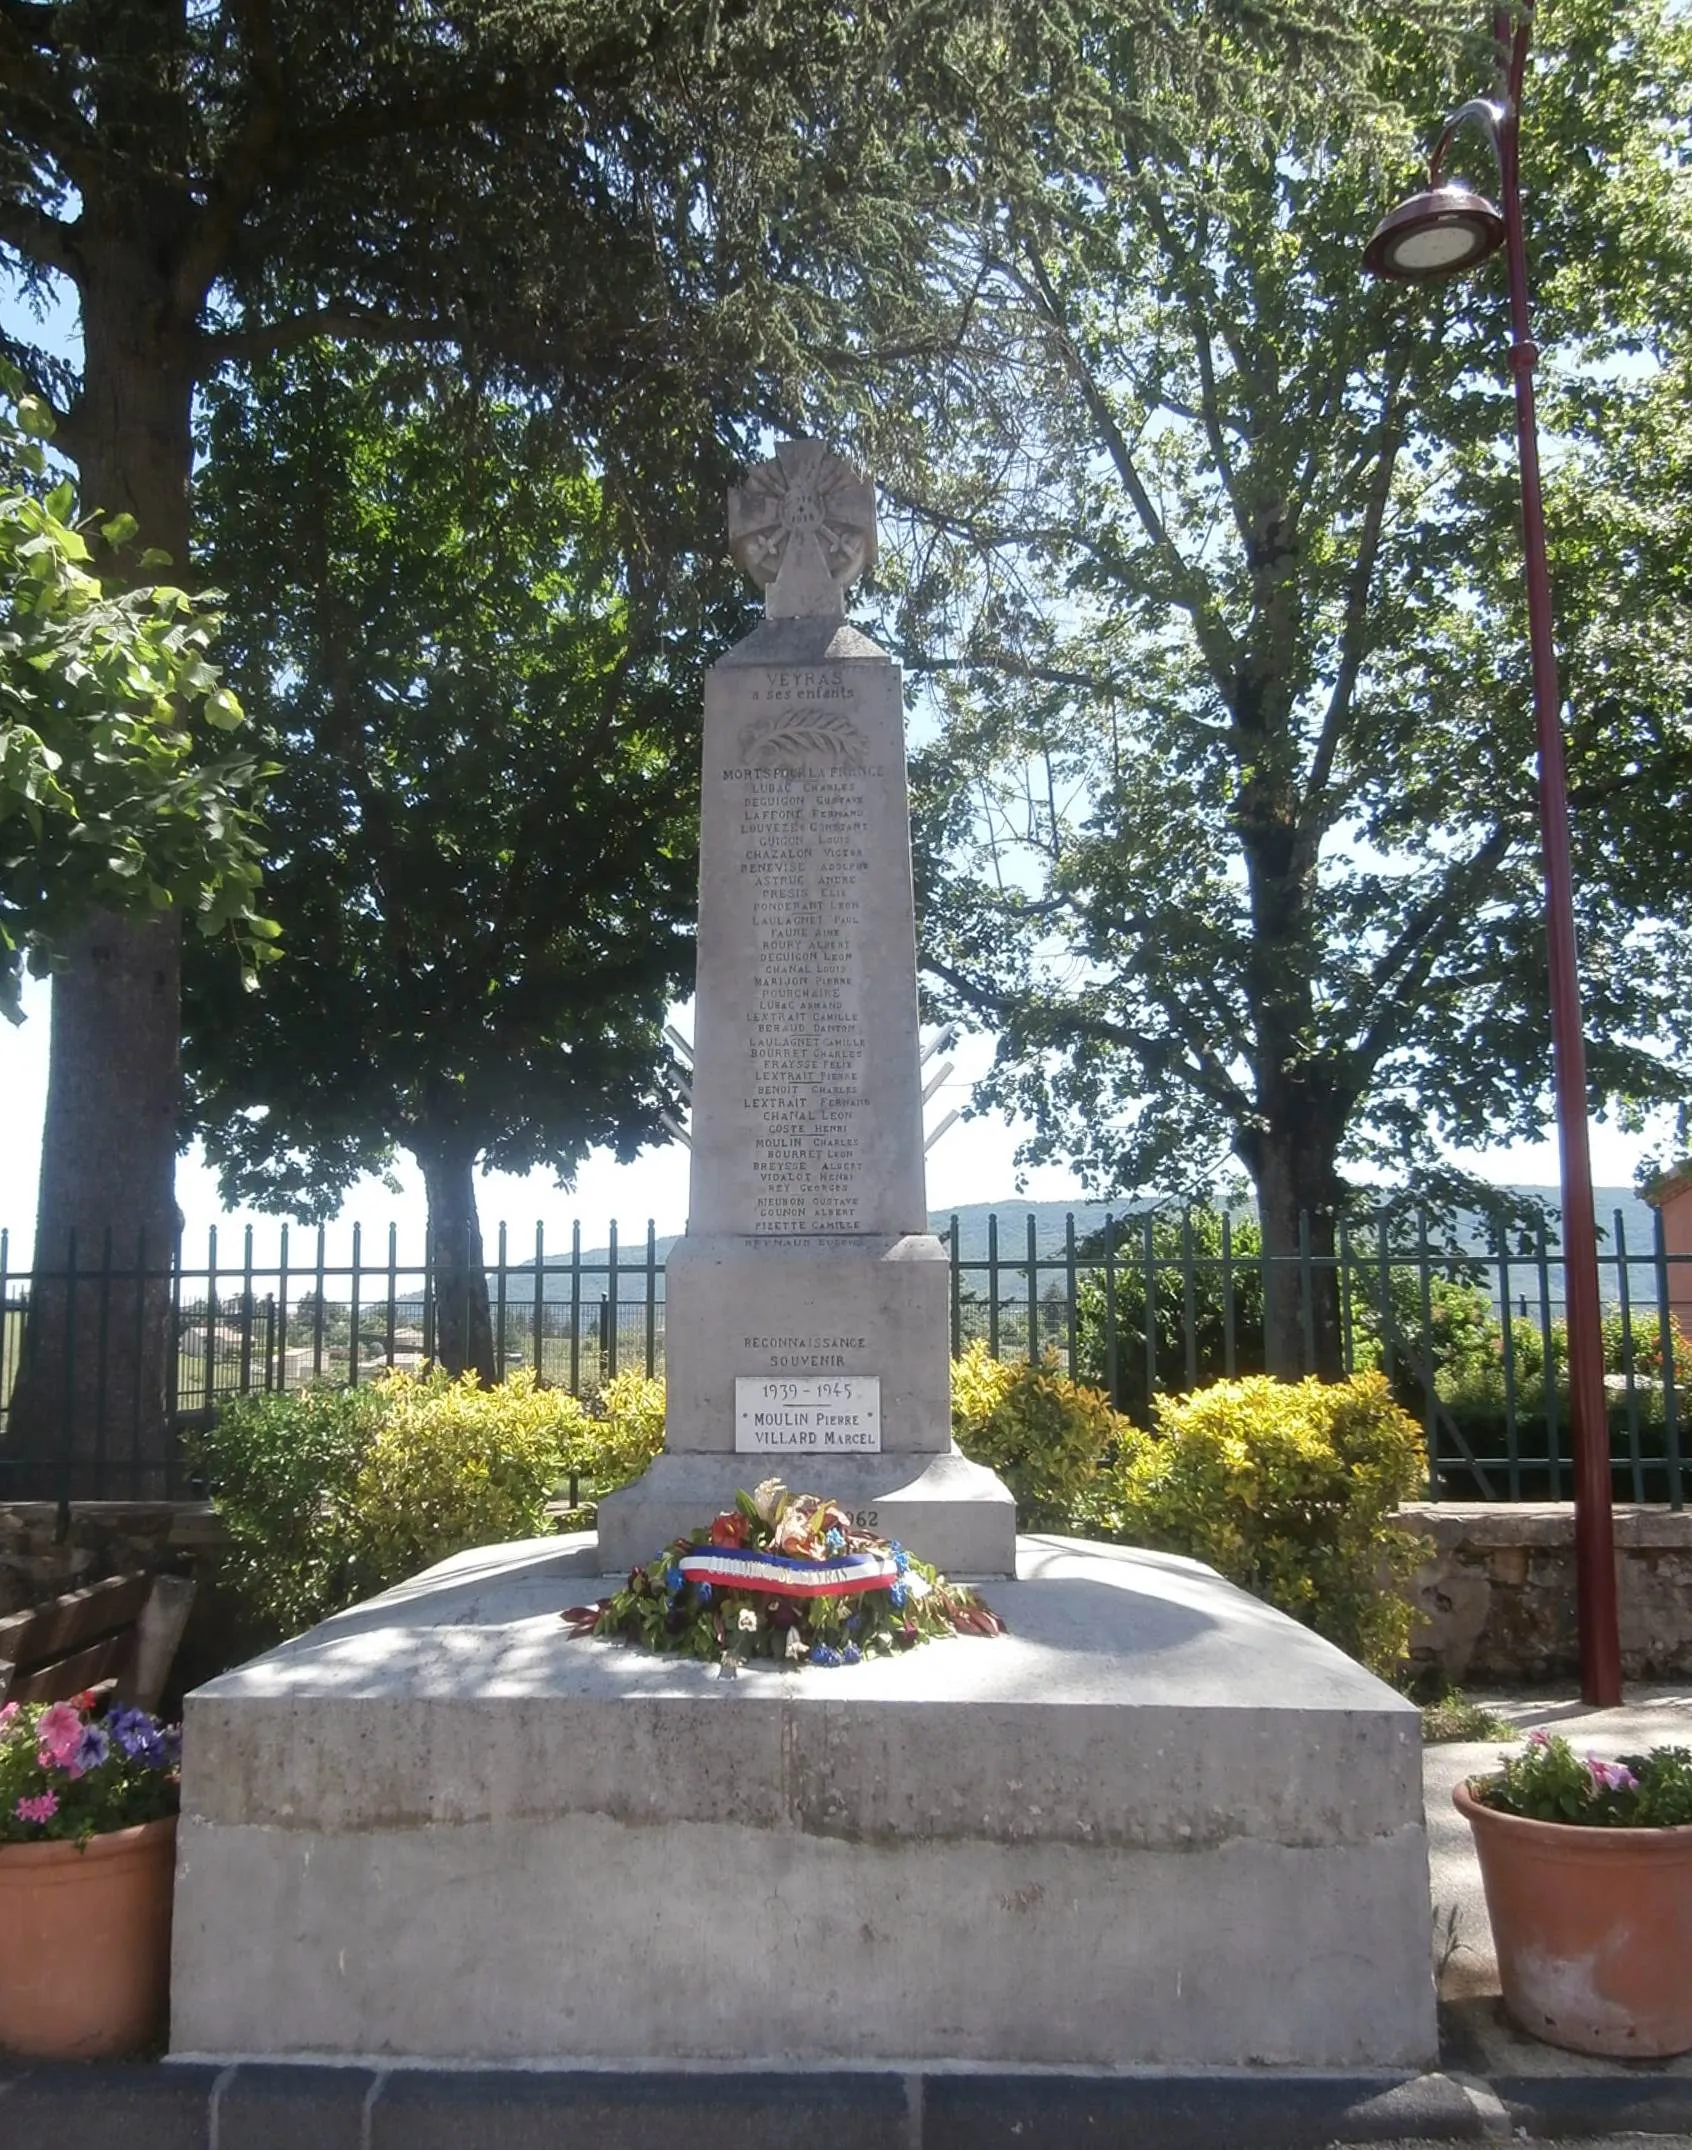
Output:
(733, 1567)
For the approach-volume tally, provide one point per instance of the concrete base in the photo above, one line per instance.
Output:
(945, 1509)
(1156, 1824)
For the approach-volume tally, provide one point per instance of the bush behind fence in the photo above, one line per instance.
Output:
(1149, 1305)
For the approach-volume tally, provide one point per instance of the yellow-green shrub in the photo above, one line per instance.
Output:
(453, 1465)
(618, 1444)
(1044, 1434)
(1289, 1489)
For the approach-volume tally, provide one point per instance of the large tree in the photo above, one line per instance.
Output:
(120, 797)
(481, 695)
(1232, 831)
(653, 214)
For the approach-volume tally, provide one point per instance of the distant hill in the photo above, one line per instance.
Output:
(1051, 1224)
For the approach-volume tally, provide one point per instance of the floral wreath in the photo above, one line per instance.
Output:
(788, 1576)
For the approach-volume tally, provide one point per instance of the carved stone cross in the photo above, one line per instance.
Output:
(803, 527)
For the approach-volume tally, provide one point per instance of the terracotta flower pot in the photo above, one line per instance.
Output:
(1593, 1929)
(85, 1943)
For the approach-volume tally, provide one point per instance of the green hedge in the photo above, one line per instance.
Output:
(1288, 1489)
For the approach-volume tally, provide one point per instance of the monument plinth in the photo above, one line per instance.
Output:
(806, 1322)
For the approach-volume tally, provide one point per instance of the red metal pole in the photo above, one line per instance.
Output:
(1595, 1552)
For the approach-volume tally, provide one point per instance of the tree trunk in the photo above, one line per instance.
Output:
(1290, 1144)
(90, 1410)
(1297, 1185)
(463, 1322)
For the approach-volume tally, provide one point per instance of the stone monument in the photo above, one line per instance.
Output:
(1155, 1824)
(806, 1329)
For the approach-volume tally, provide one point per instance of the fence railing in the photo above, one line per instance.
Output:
(1146, 1305)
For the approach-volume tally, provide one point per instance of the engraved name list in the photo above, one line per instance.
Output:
(800, 802)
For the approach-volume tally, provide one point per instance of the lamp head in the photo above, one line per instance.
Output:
(1435, 234)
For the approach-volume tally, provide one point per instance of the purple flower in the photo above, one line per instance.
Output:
(140, 1737)
(1610, 1776)
(851, 1655)
(897, 1594)
(822, 1654)
(94, 1748)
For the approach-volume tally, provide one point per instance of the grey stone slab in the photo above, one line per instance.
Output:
(1136, 1699)
(95, 2106)
(1190, 1827)
(591, 1940)
(286, 2108)
(597, 2110)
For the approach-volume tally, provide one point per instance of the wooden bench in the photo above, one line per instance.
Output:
(121, 1634)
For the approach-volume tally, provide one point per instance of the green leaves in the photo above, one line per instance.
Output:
(108, 799)
(1545, 1780)
(1231, 829)
(32, 418)
(480, 685)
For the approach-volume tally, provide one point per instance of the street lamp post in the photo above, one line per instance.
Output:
(1438, 233)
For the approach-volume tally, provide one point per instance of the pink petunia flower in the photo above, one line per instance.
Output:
(41, 1808)
(7, 1712)
(60, 1734)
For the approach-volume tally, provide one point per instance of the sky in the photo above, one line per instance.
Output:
(974, 1161)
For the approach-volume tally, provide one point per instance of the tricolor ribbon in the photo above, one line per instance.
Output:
(732, 1567)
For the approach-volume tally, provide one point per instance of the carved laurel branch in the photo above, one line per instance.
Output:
(826, 736)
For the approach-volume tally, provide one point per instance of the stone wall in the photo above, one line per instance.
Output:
(1499, 1592)
(117, 1538)
(105, 1538)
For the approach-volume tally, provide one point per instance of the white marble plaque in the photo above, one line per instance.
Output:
(807, 1414)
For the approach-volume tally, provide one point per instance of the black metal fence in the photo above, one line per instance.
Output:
(1147, 1305)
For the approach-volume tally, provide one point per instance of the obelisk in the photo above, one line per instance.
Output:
(806, 1330)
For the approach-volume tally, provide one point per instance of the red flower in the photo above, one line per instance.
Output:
(729, 1529)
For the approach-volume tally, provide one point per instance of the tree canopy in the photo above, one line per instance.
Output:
(666, 222)
(1231, 831)
(112, 795)
(483, 705)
